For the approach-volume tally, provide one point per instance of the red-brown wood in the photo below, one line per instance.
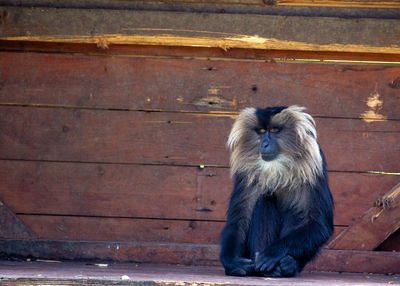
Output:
(194, 254)
(153, 191)
(11, 226)
(180, 52)
(338, 90)
(23, 273)
(175, 138)
(126, 229)
(374, 226)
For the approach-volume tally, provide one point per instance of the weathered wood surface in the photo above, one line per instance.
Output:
(78, 228)
(193, 254)
(106, 27)
(374, 226)
(11, 226)
(169, 192)
(201, 53)
(198, 84)
(80, 273)
(174, 138)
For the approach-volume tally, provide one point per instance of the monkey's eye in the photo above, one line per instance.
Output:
(274, 129)
(261, 131)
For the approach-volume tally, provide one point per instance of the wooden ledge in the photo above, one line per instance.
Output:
(81, 273)
(212, 30)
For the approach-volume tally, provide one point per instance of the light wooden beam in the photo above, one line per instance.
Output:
(225, 31)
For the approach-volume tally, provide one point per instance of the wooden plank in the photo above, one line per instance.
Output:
(199, 53)
(339, 3)
(341, 90)
(74, 228)
(168, 192)
(356, 261)
(174, 138)
(174, 253)
(11, 226)
(374, 226)
(123, 229)
(81, 273)
(106, 27)
(115, 190)
(193, 254)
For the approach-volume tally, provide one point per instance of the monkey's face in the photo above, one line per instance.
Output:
(266, 133)
(270, 132)
(276, 140)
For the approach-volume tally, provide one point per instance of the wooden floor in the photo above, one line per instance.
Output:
(81, 273)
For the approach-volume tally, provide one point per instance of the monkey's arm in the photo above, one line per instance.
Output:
(233, 238)
(298, 245)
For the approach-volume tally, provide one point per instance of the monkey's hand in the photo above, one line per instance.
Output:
(238, 266)
(285, 266)
(267, 260)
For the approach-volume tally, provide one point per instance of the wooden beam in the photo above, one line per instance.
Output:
(374, 226)
(11, 226)
(192, 254)
(356, 261)
(313, 3)
(107, 27)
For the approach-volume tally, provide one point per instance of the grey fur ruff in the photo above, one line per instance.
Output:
(298, 163)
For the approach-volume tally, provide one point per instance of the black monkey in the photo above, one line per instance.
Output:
(281, 207)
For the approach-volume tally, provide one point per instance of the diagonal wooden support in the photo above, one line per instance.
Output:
(11, 226)
(374, 226)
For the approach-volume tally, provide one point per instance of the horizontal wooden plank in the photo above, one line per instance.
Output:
(337, 90)
(175, 138)
(200, 53)
(115, 190)
(340, 3)
(123, 229)
(126, 229)
(70, 273)
(328, 260)
(167, 192)
(106, 27)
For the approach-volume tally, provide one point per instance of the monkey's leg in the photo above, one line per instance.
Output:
(234, 251)
(264, 230)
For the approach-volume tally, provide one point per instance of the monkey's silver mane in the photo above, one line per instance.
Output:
(299, 161)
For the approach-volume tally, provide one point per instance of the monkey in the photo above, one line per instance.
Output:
(281, 208)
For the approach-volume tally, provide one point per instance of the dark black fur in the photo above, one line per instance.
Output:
(274, 238)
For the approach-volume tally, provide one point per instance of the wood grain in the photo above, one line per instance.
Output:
(193, 254)
(199, 53)
(335, 90)
(125, 191)
(11, 226)
(374, 226)
(75, 228)
(123, 229)
(107, 27)
(174, 138)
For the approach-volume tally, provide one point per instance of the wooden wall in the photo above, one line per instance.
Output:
(113, 149)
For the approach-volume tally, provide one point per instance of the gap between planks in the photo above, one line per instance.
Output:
(289, 59)
(201, 167)
(211, 113)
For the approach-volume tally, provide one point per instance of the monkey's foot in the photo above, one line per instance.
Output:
(239, 267)
(287, 267)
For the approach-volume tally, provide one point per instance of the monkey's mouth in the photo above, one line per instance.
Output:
(268, 156)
